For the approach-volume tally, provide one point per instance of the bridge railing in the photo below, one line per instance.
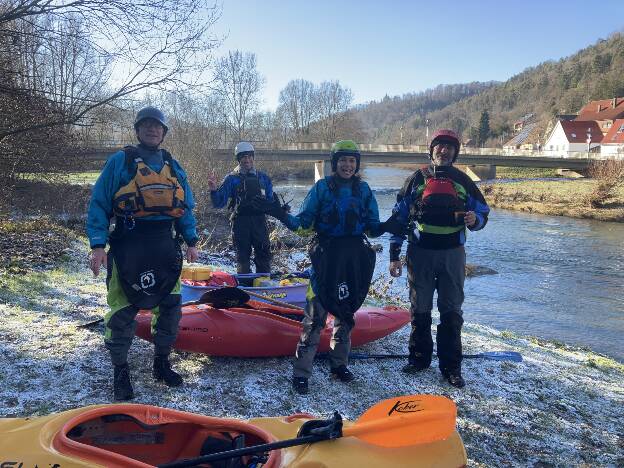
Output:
(108, 146)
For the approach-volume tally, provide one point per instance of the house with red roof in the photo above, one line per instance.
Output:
(572, 136)
(605, 112)
(613, 142)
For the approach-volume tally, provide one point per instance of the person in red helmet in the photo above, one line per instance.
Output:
(441, 202)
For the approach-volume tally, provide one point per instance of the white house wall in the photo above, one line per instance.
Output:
(557, 143)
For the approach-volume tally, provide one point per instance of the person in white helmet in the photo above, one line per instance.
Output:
(241, 188)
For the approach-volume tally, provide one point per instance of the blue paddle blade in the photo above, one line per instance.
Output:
(497, 356)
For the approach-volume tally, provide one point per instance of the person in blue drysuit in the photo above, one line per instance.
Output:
(147, 193)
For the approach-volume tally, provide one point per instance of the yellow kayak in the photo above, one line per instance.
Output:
(414, 431)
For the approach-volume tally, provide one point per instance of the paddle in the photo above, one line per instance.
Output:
(390, 423)
(491, 355)
(229, 296)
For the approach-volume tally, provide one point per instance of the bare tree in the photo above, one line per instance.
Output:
(83, 54)
(297, 103)
(239, 83)
(333, 101)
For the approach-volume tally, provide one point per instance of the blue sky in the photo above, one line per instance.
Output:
(395, 47)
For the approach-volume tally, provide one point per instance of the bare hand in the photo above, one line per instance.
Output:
(192, 254)
(97, 259)
(212, 181)
(470, 218)
(396, 268)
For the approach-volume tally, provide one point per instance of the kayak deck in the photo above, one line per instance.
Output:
(140, 436)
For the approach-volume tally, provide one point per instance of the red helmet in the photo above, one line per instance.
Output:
(447, 136)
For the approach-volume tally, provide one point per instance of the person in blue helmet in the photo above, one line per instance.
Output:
(442, 202)
(249, 226)
(147, 193)
(340, 210)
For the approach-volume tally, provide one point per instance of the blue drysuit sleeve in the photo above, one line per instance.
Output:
(268, 185)
(371, 217)
(303, 223)
(220, 197)
(101, 203)
(186, 224)
(476, 202)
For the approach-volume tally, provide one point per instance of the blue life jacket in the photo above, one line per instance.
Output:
(342, 211)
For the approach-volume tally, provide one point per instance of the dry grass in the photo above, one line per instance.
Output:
(559, 198)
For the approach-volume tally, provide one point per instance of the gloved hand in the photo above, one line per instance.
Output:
(272, 208)
(392, 226)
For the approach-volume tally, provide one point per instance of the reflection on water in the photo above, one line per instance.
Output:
(558, 278)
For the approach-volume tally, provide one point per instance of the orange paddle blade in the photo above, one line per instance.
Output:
(406, 420)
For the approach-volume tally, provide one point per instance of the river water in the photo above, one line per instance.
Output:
(558, 278)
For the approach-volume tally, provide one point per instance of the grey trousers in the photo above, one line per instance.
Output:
(120, 328)
(443, 271)
(314, 319)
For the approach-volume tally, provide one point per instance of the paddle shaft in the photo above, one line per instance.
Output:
(351, 431)
(275, 301)
(310, 439)
(494, 356)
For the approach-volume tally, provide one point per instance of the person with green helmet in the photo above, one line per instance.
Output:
(340, 210)
(147, 193)
(248, 223)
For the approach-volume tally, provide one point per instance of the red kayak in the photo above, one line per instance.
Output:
(265, 330)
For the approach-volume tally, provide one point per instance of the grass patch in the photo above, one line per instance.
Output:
(604, 364)
(525, 173)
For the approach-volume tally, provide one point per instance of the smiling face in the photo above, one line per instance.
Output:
(150, 132)
(443, 154)
(345, 166)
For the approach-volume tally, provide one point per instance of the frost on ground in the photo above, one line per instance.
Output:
(560, 406)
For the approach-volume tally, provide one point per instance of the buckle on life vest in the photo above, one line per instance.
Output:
(129, 222)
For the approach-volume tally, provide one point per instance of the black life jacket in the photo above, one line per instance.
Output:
(248, 188)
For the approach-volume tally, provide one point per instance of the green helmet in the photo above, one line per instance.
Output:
(344, 148)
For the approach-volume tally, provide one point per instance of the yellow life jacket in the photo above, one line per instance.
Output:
(149, 193)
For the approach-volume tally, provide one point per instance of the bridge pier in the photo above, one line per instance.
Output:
(480, 172)
(322, 169)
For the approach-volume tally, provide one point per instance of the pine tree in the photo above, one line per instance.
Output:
(484, 128)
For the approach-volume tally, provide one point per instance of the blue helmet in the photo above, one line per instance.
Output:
(151, 112)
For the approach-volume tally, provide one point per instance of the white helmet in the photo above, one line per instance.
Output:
(242, 149)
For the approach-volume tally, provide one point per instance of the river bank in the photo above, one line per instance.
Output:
(560, 406)
(554, 197)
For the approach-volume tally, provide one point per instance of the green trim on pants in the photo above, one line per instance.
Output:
(117, 300)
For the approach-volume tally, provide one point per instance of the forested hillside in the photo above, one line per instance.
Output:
(548, 89)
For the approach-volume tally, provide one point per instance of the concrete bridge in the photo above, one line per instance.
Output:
(479, 163)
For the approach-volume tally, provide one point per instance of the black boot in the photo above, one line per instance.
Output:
(163, 371)
(300, 385)
(122, 388)
(342, 373)
(454, 377)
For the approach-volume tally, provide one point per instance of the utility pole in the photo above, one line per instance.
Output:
(427, 132)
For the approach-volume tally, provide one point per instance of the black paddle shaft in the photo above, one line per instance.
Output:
(247, 451)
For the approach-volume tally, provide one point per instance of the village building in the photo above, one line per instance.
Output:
(604, 112)
(613, 142)
(573, 136)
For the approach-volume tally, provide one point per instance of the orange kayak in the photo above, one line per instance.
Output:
(265, 330)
